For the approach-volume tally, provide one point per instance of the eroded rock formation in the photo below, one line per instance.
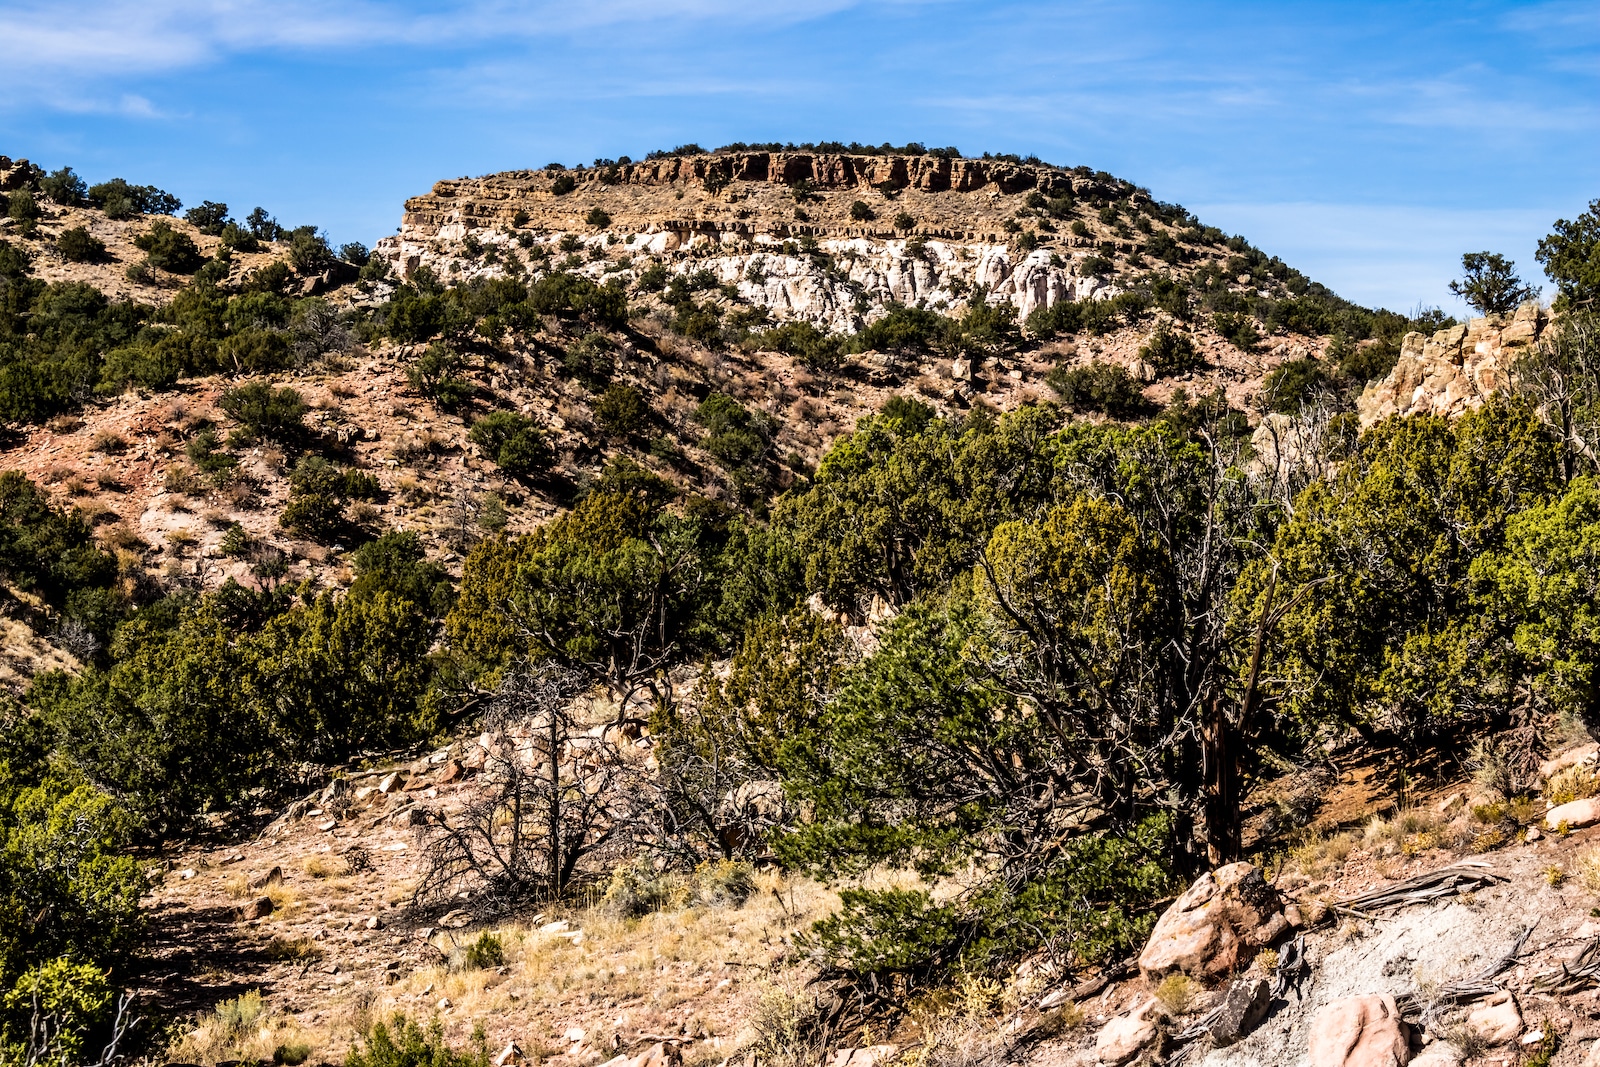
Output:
(1455, 370)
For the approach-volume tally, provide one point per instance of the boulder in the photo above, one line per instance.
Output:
(1201, 934)
(1124, 1037)
(258, 908)
(1575, 815)
(1243, 1007)
(261, 881)
(390, 782)
(1359, 1032)
(1572, 757)
(1496, 1019)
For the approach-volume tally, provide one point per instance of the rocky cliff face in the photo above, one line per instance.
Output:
(1455, 370)
(926, 229)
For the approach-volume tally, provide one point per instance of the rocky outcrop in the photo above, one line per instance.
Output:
(1204, 932)
(828, 239)
(1455, 370)
(1360, 1032)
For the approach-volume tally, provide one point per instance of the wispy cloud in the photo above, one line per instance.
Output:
(105, 37)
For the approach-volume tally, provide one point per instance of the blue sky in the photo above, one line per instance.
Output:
(1368, 144)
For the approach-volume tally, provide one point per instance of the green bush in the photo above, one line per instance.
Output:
(24, 210)
(402, 1043)
(438, 374)
(1104, 387)
(589, 360)
(309, 252)
(483, 954)
(209, 218)
(79, 246)
(119, 198)
(169, 249)
(598, 218)
(275, 414)
(513, 442)
(563, 184)
(64, 187)
(1096, 267)
(76, 997)
(239, 239)
(818, 351)
(637, 889)
(860, 212)
(1238, 329)
(622, 411)
(1294, 384)
(396, 563)
(1170, 352)
(205, 450)
(736, 436)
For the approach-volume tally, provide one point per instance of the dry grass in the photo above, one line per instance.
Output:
(244, 1028)
(1176, 993)
(1589, 869)
(1321, 853)
(108, 442)
(1574, 783)
(965, 1025)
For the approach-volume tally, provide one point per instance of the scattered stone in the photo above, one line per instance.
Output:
(1124, 1037)
(863, 1057)
(258, 908)
(1574, 815)
(444, 1004)
(1359, 1032)
(328, 825)
(555, 927)
(237, 857)
(451, 772)
(509, 1056)
(1293, 916)
(455, 920)
(272, 877)
(390, 782)
(1532, 834)
(1453, 803)
(575, 1034)
(187, 873)
(1572, 757)
(1532, 1037)
(374, 923)
(1243, 1007)
(1496, 1020)
(1201, 933)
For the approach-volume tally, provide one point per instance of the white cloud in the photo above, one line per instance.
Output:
(103, 37)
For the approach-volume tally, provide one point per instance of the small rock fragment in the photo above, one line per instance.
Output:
(1496, 1019)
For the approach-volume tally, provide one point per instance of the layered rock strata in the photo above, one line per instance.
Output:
(788, 229)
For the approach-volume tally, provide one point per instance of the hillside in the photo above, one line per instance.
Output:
(1008, 228)
(779, 605)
